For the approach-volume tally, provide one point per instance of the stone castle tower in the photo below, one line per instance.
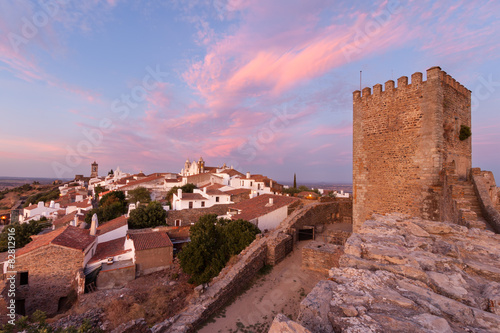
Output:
(403, 137)
(94, 170)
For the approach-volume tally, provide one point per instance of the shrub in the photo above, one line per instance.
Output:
(465, 132)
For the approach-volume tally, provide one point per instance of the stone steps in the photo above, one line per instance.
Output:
(464, 193)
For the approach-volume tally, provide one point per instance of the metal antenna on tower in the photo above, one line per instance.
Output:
(360, 80)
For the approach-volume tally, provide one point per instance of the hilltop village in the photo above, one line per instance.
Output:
(415, 249)
(91, 239)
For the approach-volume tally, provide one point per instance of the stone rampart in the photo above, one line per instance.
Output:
(487, 193)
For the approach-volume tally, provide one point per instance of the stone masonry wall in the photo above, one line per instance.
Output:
(51, 275)
(486, 190)
(278, 247)
(402, 137)
(318, 256)
(230, 281)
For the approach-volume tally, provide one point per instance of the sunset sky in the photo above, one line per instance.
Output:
(265, 86)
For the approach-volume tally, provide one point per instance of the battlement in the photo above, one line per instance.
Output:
(403, 136)
(433, 74)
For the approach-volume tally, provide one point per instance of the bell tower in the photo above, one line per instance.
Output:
(94, 170)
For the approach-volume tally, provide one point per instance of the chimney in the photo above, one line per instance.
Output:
(179, 193)
(93, 226)
(248, 175)
(205, 190)
(74, 221)
(271, 201)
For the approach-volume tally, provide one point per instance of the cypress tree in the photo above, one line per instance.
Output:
(294, 180)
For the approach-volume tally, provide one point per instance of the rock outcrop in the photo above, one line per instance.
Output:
(410, 275)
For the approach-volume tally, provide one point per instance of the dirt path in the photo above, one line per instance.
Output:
(281, 290)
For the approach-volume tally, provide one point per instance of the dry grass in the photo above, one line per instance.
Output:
(151, 297)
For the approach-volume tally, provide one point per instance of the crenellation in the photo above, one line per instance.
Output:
(389, 86)
(367, 91)
(356, 95)
(416, 78)
(402, 81)
(377, 89)
(434, 73)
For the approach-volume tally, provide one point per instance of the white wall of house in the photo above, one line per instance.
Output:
(89, 253)
(40, 210)
(113, 234)
(271, 220)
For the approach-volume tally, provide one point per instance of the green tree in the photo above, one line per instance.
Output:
(111, 206)
(148, 216)
(294, 180)
(22, 232)
(213, 242)
(98, 189)
(42, 196)
(111, 172)
(140, 194)
(188, 188)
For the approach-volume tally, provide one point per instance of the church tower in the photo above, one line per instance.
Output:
(94, 170)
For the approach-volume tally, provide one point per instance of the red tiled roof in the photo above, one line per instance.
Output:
(31, 207)
(68, 236)
(193, 196)
(232, 172)
(66, 219)
(212, 186)
(259, 206)
(112, 225)
(150, 240)
(112, 248)
(150, 178)
(81, 204)
(238, 191)
(306, 193)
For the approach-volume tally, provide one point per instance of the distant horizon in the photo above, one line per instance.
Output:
(283, 182)
(261, 85)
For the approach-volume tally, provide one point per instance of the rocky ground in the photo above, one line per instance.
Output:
(408, 275)
(153, 297)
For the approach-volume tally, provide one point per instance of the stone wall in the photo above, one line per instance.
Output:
(486, 191)
(153, 260)
(321, 257)
(401, 274)
(229, 283)
(188, 216)
(278, 247)
(317, 214)
(402, 137)
(51, 276)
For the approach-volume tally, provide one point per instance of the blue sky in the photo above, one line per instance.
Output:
(265, 86)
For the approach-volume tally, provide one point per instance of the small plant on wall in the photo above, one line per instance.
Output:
(465, 132)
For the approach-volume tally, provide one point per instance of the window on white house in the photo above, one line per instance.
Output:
(216, 199)
(190, 204)
(177, 223)
(203, 204)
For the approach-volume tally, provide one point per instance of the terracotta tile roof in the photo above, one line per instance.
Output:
(111, 225)
(232, 172)
(3, 256)
(66, 219)
(259, 206)
(238, 191)
(307, 193)
(31, 207)
(177, 180)
(193, 196)
(112, 248)
(81, 204)
(212, 186)
(150, 240)
(68, 236)
(147, 179)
